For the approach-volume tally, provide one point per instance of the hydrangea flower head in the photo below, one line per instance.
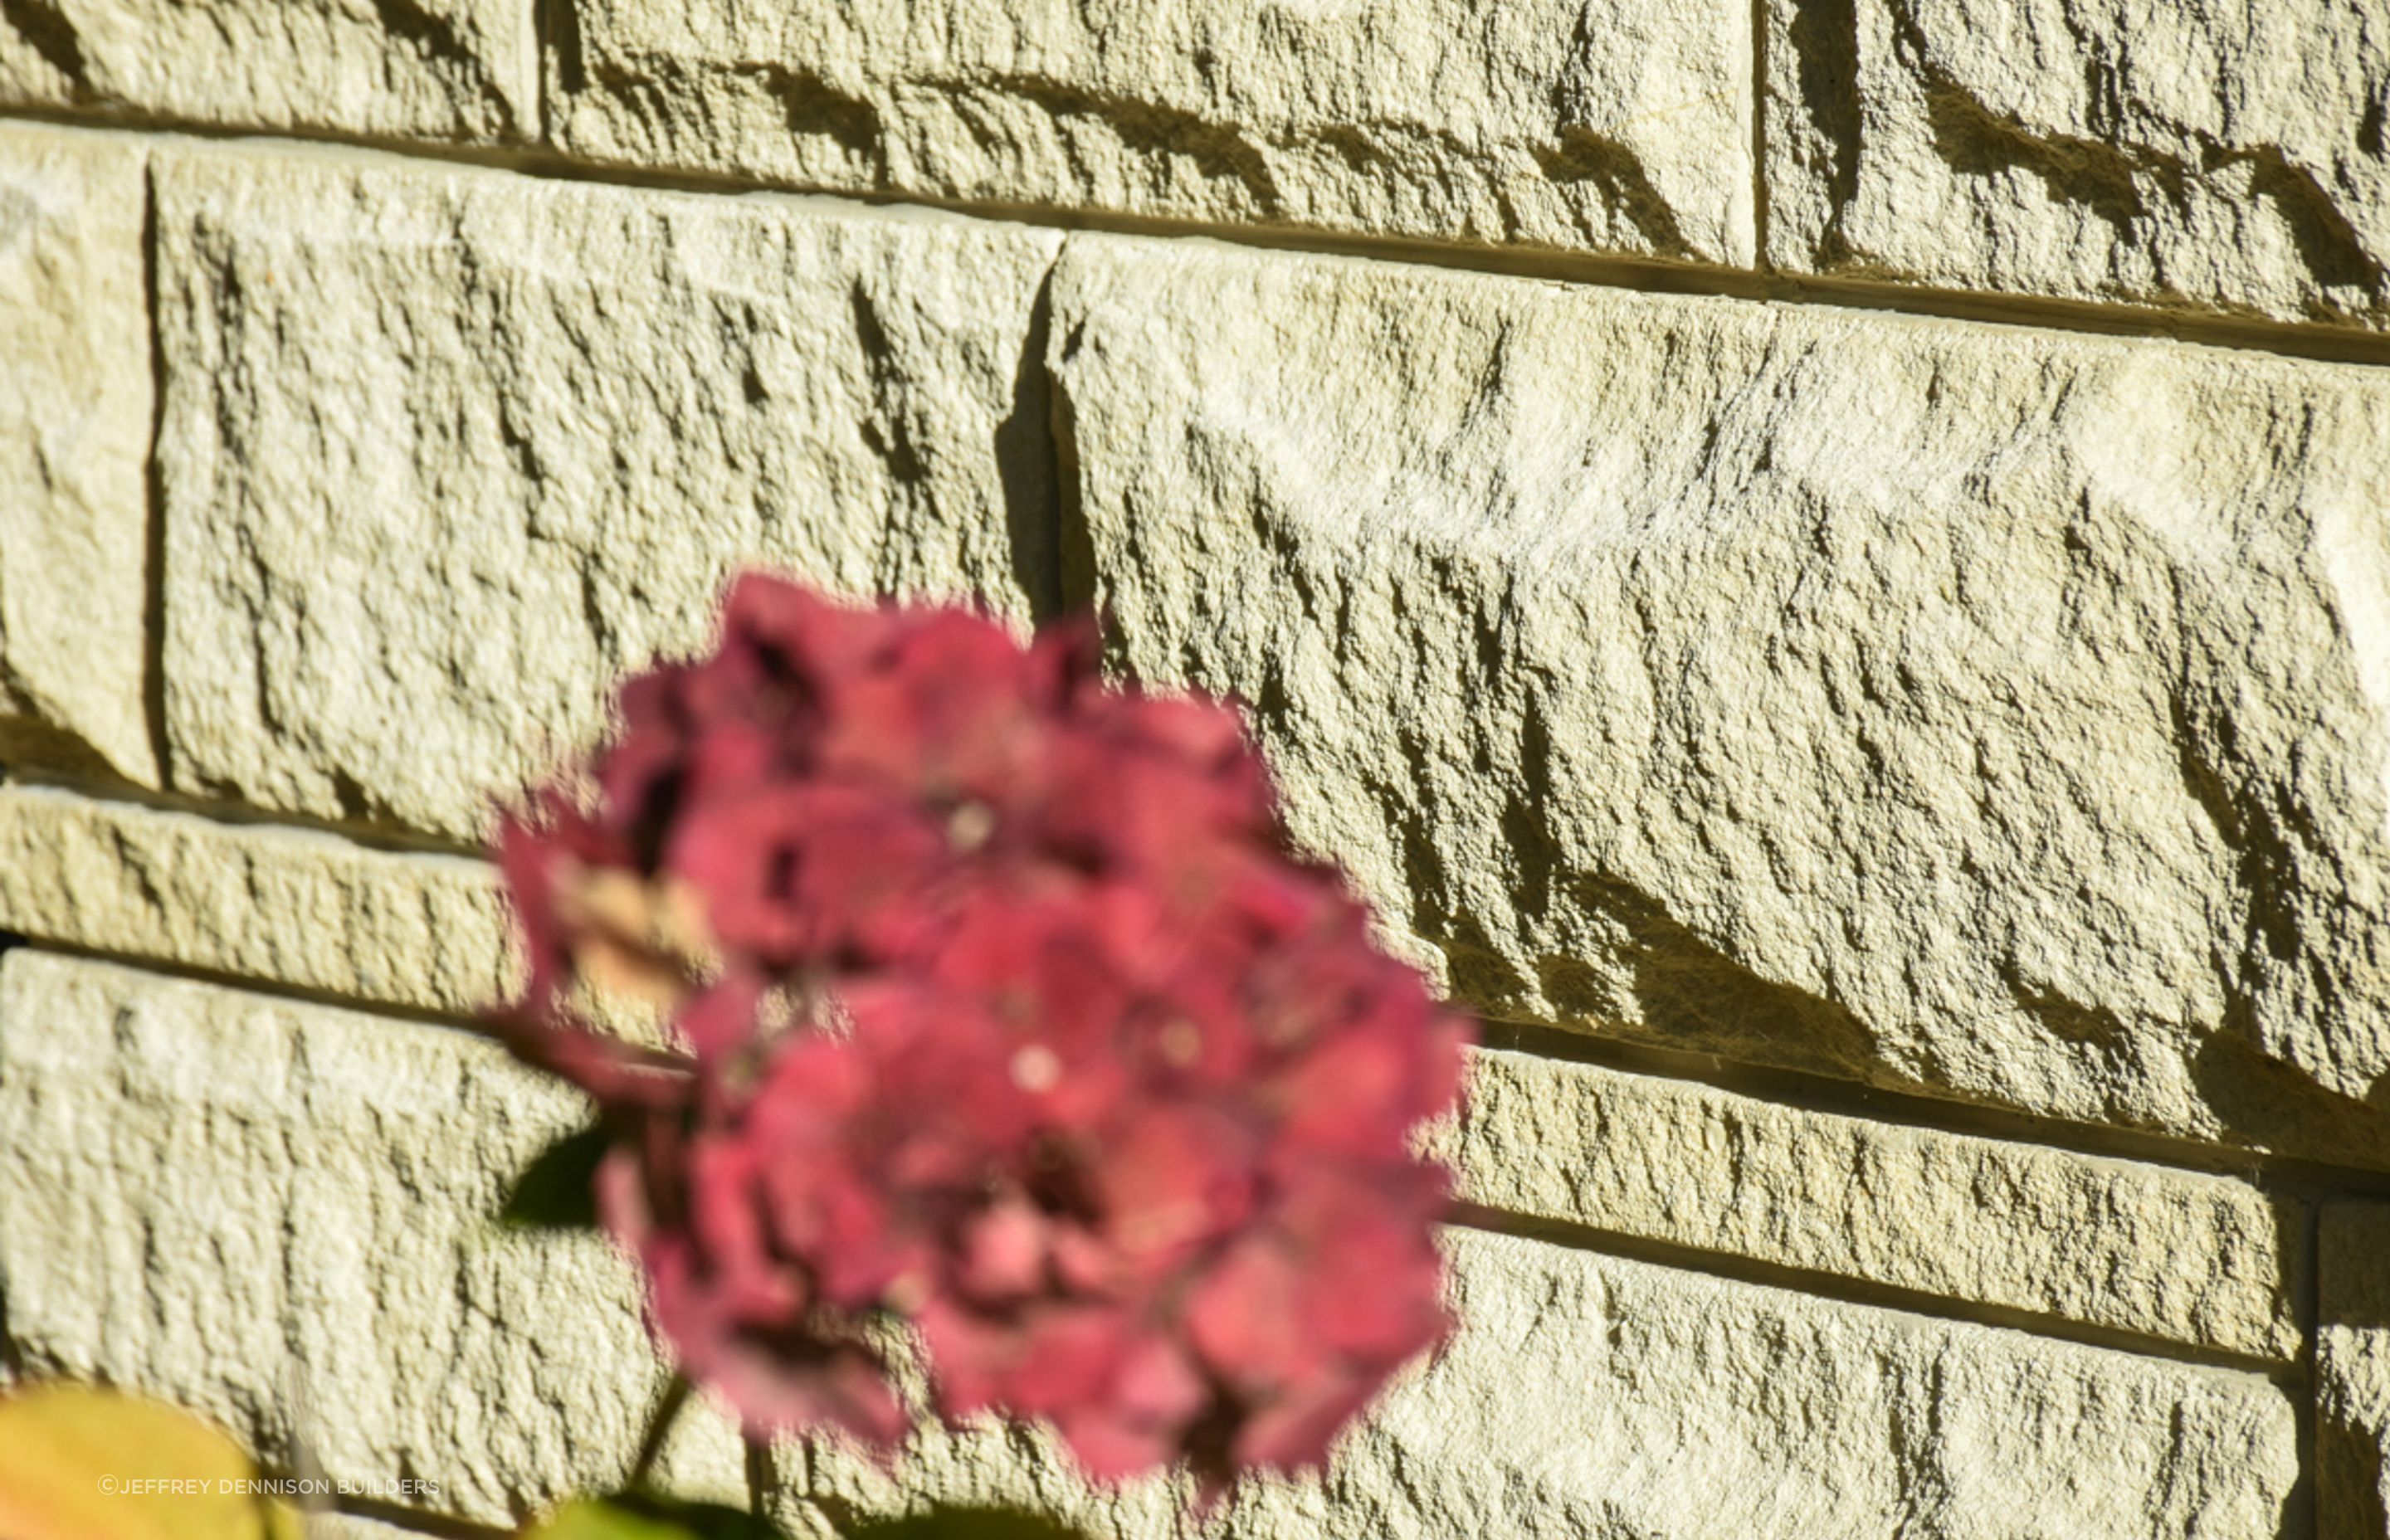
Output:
(1007, 1014)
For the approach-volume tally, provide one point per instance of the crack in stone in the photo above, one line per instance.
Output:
(1692, 994)
(46, 29)
(2109, 178)
(2329, 243)
(1027, 466)
(1975, 140)
(1219, 151)
(1618, 171)
(815, 108)
(561, 26)
(437, 41)
(1824, 35)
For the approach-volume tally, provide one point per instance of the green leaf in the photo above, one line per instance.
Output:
(557, 1191)
(943, 1522)
(645, 1515)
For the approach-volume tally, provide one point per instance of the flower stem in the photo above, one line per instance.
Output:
(659, 1426)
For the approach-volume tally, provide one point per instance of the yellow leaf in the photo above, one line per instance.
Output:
(84, 1464)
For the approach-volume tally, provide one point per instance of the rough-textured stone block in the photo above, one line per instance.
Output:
(280, 1215)
(2229, 155)
(1602, 125)
(2204, 1260)
(75, 419)
(408, 68)
(2209, 1261)
(2353, 1372)
(290, 907)
(347, 1526)
(1988, 712)
(1587, 1396)
(446, 451)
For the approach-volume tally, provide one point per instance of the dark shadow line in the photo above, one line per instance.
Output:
(1807, 1091)
(1841, 1287)
(272, 988)
(153, 683)
(379, 839)
(2206, 326)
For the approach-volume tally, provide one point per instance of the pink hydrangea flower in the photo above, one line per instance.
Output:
(1006, 1013)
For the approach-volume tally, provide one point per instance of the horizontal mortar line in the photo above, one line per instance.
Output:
(1842, 1288)
(379, 839)
(2314, 341)
(1787, 1089)
(1807, 1091)
(1795, 1089)
(1571, 1234)
(272, 989)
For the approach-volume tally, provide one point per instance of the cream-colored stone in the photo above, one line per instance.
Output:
(2352, 1371)
(1592, 1397)
(75, 415)
(825, 1487)
(289, 906)
(2204, 1260)
(281, 1215)
(1600, 1399)
(409, 69)
(335, 1525)
(2209, 1261)
(2229, 156)
(1585, 125)
(1989, 712)
(446, 451)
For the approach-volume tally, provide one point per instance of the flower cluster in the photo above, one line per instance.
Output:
(1005, 1013)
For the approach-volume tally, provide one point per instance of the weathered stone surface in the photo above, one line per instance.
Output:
(1602, 125)
(2229, 156)
(1988, 712)
(824, 1488)
(290, 907)
(2204, 1260)
(279, 1215)
(2352, 1371)
(75, 416)
(1587, 1396)
(410, 69)
(446, 451)
(1599, 1399)
(347, 1526)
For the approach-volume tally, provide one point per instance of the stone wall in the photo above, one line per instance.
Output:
(1826, 561)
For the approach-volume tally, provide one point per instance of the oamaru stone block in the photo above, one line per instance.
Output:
(335, 1525)
(454, 70)
(1991, 712)
(2229, 155)
(1616, 126)
(282, 1216)
(824, 1487)
(285, 905)
(2352, 1371)
(76, 410)
(446, 451)
(1587, 1395)
(2208, 1261)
